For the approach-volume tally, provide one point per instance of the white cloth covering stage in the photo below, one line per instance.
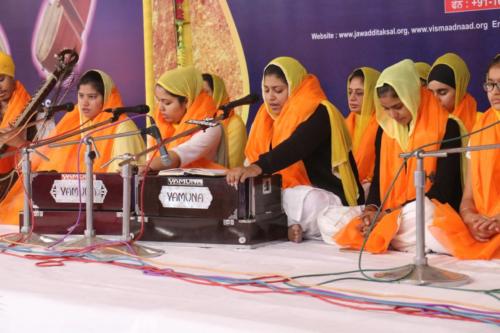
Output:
(91, 297)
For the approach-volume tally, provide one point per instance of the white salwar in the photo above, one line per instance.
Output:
(333, 219)
(303, 204)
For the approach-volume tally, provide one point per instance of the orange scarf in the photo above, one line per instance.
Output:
(430, 126)
(202, 107)
(450, 230)
(466, 111)
(364, 152)
(267, 132)
(486, 166)
(15, 107)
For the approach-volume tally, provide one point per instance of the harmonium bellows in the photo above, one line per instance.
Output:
(205, 209)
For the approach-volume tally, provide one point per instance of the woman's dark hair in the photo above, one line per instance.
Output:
(208, 79)
(181, 99)
(385, 90)
(357, 73)
(276, 71)
(94, 79)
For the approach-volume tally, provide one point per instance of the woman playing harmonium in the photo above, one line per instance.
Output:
(299, 134)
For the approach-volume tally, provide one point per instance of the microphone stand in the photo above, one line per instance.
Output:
(126, 244)
(420, 272)
(90, 238)
(57, 138)
(25, 235)
(200, 125)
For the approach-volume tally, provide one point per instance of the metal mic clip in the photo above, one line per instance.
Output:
(207, 122)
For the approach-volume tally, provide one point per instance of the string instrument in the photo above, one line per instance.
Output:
(66, 60)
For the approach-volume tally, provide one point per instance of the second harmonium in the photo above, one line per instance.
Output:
(193, 208)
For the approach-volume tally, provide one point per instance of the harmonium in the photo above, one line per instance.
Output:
(201, 209)
(59, 202)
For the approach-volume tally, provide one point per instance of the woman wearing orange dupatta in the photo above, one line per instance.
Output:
(13, 99)
(180, 98)
(299, 134)
(361, 122)
(448, 80)
(478, 235)
(409, 117)
(96, 92)
(234, 127)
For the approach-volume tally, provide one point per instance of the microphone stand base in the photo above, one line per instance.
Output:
(133, 249)
(109, 247)
(86, 242)
(424, 275)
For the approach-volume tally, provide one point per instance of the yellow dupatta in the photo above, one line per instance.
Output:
(235, 135)
(423, 70)
(187, 82)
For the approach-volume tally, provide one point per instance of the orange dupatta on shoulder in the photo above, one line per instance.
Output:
(450, 230)
(364, 152)
(466, 111)
(20, 97)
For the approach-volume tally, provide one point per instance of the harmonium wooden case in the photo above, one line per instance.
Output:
(206, 210)
(56, 203)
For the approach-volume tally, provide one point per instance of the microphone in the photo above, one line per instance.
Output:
(249, 99)
(62, 107)
(155, 133)
(140, 109)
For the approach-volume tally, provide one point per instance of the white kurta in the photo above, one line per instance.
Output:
(203, 143)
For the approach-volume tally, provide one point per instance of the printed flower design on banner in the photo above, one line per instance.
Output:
(179, 23)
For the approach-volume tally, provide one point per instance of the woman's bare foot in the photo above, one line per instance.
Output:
(295, 233)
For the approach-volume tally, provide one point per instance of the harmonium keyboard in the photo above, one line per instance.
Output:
(59, 201)
(206, 210)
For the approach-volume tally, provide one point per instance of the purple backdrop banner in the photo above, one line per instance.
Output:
(108, 35)
(332, 37)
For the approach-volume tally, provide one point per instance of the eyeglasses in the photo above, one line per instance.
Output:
(489, 86)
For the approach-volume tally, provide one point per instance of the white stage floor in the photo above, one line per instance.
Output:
(92, 297)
